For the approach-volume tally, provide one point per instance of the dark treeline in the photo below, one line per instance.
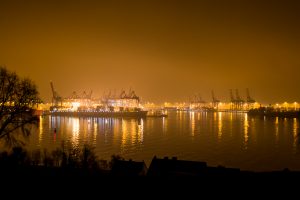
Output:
(66, 160)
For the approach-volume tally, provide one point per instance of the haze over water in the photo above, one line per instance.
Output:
(229, 139)
(155, 46)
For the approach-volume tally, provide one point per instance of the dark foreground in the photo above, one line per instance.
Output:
(159, 168)
(128, 180)
(76, 171)
(214, 182)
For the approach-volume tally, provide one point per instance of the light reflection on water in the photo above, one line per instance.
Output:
(220, 126)
(246, 127)
(277, 129)
(41, 131)
(74, 122)
(229, 139)
(192, 116)
(295, 133)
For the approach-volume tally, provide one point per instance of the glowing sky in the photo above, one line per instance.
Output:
(164, 50)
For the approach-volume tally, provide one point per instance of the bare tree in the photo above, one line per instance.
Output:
(18, 98)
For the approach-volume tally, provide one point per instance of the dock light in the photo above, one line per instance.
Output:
(75, 106)
(285, 105)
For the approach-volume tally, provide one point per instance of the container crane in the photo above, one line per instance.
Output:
(239, 100)
(232, 100)
(250, 101)
(215, 101)
(56, 99)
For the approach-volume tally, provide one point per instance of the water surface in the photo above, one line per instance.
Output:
(228, 139)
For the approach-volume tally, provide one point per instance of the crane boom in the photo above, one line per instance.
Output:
(214, 97)
(55, 98)
(238, 98)
(249, 99)
(53, 91)
(232, 99)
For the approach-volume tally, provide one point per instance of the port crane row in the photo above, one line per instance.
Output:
(236, 102)
(196, 102)
(86, 98)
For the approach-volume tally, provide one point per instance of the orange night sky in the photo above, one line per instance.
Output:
(165, 50)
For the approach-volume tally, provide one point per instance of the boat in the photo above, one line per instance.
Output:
(109, 114)
(157, 113)
(270, 112)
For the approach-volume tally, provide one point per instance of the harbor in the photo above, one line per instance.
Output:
(129, 105)
(111, 105)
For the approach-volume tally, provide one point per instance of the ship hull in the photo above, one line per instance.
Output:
(286, 114)
(132, 114)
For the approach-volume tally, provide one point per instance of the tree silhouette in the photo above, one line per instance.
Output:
(18, 98)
